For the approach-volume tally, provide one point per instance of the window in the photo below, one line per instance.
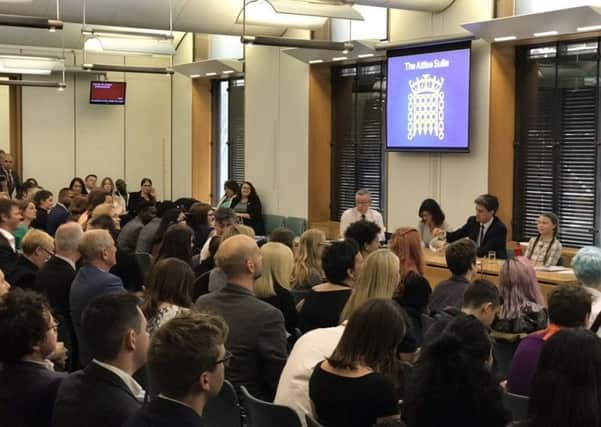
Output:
(557, 127)
(358, 98)
(228, 133)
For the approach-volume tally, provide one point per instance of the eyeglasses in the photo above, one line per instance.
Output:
(226, 359)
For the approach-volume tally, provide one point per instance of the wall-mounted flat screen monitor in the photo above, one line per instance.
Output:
(428, 98)
(112, 93)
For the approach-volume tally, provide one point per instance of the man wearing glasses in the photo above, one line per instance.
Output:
(362, 211)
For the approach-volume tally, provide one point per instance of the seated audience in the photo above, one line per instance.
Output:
(308, 271)
(523, 309)
(10, 217)
(171, 216)
(38, 247)
(566, 389)
(28, 383)
(104, 222)
(481, 299)
(484, 228)
(136, 199)
(59, 214)
(224, 217)
(43, 201)
(274, 284)
(247, 207)
(414, 290)
(365, 234)
(146, 236)
(352, 388)
(257, 337)
(204, 269)
(197, 218)
(28, 214)
(230, 190)
(98, 251)
(128, 237)
(322, 307)
(217, 278)
(186, 359)
(9, 179)
(177, 243)
(362, 211)
(77, 207)
(78, 187)
(461, 260)
(107, 209)
(431, 218)
(587, 268)
(452, 384)
(27, 190)
(95, 198)
(168, 292)
(569, 307)
(283, 235)
(91, 181)
(104, 394)
(545, 249)
(379, 278)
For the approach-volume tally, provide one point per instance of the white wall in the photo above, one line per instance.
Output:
(4, 118)
(452, 179)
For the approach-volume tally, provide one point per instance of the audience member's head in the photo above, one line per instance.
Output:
(95, 197)
(114, 330)
(519, 288)
(8, 161)
(67, 239)
(569, 306)
(185, 203)
(278, 262)
(461, 257)
(27, 190)
(170, 281)
(308, 259)
(283, 235)
(362, 201)
(97, 247)
(456, 364)
(109, 210)
(146, 186)
(164, 206)
(77, 207)
(341, 262)
(487, 207)
(187, 355)
(371, 338)
(10, 216)
(235, 230)
(28, 211)
(177, 243)
(27, 328)
(91, 180)
(38, 247)
(77, 186)
(4, 285)
(121, 187)
(407, 245)
(566, 389)
(107, 185)
(168, 217)
(65, 196)
(104, 222)
(587, 266)
(231, 188)
(240, 259)
(431, 214)
(379, 278)
(365, 234)
(224, 217)
(43, 200)
(198, 215)
(249, 191)
(482, 300)
(146, 211)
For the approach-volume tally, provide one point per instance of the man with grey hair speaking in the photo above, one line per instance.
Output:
(362, 212)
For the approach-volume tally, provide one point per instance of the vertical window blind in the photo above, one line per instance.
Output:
(236, 130)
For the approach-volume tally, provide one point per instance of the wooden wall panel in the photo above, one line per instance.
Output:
(502, 130)
(201, 139)
(504, 8)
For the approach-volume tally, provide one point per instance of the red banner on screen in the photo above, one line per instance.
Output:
(107, 93)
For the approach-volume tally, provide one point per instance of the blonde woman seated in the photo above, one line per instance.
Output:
(523, 309)
(307, 266)
(38, 247)
(274, 284)
(107, 209)
(378, 279)
(544, 250)
(167, 292)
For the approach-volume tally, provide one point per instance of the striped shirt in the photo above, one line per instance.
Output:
(537, 253)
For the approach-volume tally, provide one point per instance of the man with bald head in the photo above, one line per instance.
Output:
(257, 337)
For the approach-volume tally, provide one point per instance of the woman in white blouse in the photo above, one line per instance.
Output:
(544, 250)
(431, 217)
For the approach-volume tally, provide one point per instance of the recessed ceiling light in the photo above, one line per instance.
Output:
(316, 61)
(505, 38)
(589, 28)
(339, 58)
(228, 72)
(365, 55)
(210, 74)
(546, 33)
(194, 76)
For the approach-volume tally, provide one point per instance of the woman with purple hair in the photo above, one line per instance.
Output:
(523, 309)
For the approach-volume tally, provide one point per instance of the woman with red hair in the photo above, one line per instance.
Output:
(413, 291)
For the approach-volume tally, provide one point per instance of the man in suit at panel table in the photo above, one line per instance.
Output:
(98, 250)
(257, 337)
(105, 394)
(9, 179)
(59, 214)
(484, 228)
(10, 217)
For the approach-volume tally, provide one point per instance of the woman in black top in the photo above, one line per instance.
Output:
(43, 203)
(146, 193)
(247, 206)
(322, 307)
(353, 388)
(177, 243)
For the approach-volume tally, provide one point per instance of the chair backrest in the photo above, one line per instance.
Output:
(516, 405)
(144, 262)
(223, 410)
(503, 351)
(265, 414)
(298, 225)
(272, 222)
(311, 422)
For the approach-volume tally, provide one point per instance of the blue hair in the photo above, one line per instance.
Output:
(587, 265)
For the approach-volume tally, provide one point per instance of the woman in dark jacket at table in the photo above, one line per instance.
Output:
(247, 206)
(146, 193)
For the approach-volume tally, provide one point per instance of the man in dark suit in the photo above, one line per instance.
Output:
(484, 228)
(186, 359)
(28, 382)
(257, 337)
(55, 277)
(10, 217)
(98, 250)
(9, 179)
(104, 394)
(59, 214)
